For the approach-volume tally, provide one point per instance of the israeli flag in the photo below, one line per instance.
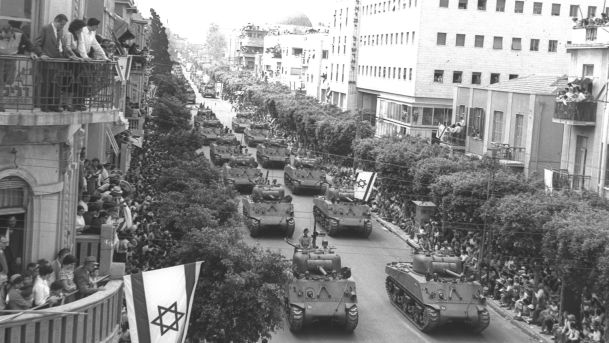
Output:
(364, 183)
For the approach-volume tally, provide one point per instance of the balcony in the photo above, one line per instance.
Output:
(93, 319)
(581, 113)
(136, 126)
(507, 155)
(35, 91)
(454, 141)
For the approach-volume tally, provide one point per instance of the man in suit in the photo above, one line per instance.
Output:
(48, 46)
(83, 277)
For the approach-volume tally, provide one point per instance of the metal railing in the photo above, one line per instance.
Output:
(507, 152)
(53, 85)
(583, 111)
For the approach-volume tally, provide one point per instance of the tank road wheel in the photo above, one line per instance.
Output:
(289, 232)
(389, 287)
(254, 227)
(484, 320)
(295, 318)
(367, 229)
(429, 319)
(287, 181)
(352, 319)
(332, 227)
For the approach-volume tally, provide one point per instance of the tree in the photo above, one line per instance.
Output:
(239, 297)
(215, 43)
(169, 113)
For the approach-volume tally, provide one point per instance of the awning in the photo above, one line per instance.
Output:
(121, 29)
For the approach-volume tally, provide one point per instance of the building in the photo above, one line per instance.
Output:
(511, 120)
(585, 149)
(413, 53)
(41, 165)
(250, 44)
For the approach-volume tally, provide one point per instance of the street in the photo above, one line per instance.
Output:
(379, 321)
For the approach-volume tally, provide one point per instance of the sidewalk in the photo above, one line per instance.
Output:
(531, 330)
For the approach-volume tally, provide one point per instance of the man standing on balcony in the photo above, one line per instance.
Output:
(12, 42)
(83, 279)
(48, 46)
(91, 46)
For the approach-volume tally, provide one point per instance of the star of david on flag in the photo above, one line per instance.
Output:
(364, 183)
(159, 303)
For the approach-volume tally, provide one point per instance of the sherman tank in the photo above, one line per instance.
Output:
(338, 210)
(205, 114)
(211, 130)
(223, 148)
(305, 175)
(209, 90)
(256, 134)
(320, 289)
(241, 121)
(269, 208)
(432, 291)
(241, 173)
(273, 154)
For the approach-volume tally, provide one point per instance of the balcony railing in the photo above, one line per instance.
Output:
(93, 319)
(507, 153)
(575, 113)
(136, 126)
(55, 84)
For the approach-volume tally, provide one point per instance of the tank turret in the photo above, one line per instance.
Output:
(256, 134)
(433, 290)
(305, 174)
(267, 209)
(338, 210)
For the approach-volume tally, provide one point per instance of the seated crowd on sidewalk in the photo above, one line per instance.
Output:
(528, 289)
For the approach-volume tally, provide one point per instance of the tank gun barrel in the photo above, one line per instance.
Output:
(322, 270)
(450, 272)
(292, 244)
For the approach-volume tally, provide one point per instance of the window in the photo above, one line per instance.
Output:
(500, 6)
(477, 119)
(476, 78)
(391, 39)
(556, 10)
(444, 3)
(441, 115)
(343, 74)
(324, 54)
(513, 76)
(412, 37)
(457, 76)
(534, 45)
(482, 5)
(479, 41)
(497, 135)
(404, 75)
(438, 76)
(516, 44)
(399, 73)
(588, 70)
(410, 74)
(427, 116)
(331, 71)
(407, 37)
(384, 72)
(462, 4)
(374, 72)
(519, 7)
(552, 45)
(460, 40)
(494, 78)
(573, 9)
(591, 11)
(441, 39)
(591, 33)
(402, 38)
(498, 43)
(537, 6)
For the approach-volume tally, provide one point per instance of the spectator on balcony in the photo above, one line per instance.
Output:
(74, 45)
(41, 285)
(12, 42)
(93, 221)
(80, 219)
(83, 277)
(48, 45)
(58, 261)
(56, 295)
(66, 273)
(16, 299)
(91, 46)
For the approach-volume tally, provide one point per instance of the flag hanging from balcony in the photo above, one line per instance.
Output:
(364, 183)
(159, 303)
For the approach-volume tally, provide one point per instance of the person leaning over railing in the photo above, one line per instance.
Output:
(74, 44)
(12, 42)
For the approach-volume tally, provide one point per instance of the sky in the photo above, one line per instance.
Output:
(191, 18)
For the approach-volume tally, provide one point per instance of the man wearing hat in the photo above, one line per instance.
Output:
(16, 301)
(82, 277)
(305, 240)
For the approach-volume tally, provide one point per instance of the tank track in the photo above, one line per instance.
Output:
(322, 220)
(423, 317)
(483, 322)
(295, 318)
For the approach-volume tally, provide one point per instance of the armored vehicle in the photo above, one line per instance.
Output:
(256, 134)
(241, 121)
(432, 291)
(338, 210)
(320, 290)
(305, 175)
(209, 90)
(268, 208)
(211, 130)
(223, 148)
(273, 153)
(205, 114)
(241, 173)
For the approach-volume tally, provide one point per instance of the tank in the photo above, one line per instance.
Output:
(338, 210)
(210, 130)
(209, 91)
(223, 148)
(305, 175)
(256, 134)
(273, 154)
(431, 291)
(241, 173)
(320, 289)
(205, 114)
(268, 209)
(241, 121)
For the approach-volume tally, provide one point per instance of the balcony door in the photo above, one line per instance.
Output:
(519, 131)
(581, 152)
(14, 199)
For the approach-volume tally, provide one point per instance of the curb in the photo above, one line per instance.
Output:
(522, 326)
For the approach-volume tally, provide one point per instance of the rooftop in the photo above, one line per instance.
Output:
(531, 84)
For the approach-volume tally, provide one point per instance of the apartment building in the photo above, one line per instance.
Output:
(249, 45)
(585, 148)
(413, 53)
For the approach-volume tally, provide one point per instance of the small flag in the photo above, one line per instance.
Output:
(364, 182)
(159, 303)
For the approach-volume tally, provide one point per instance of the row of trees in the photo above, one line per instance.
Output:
(239, 293)
(567, 230)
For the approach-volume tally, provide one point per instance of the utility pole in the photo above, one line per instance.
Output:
(489, 194)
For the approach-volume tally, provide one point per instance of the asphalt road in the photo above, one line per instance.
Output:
(379, 321)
